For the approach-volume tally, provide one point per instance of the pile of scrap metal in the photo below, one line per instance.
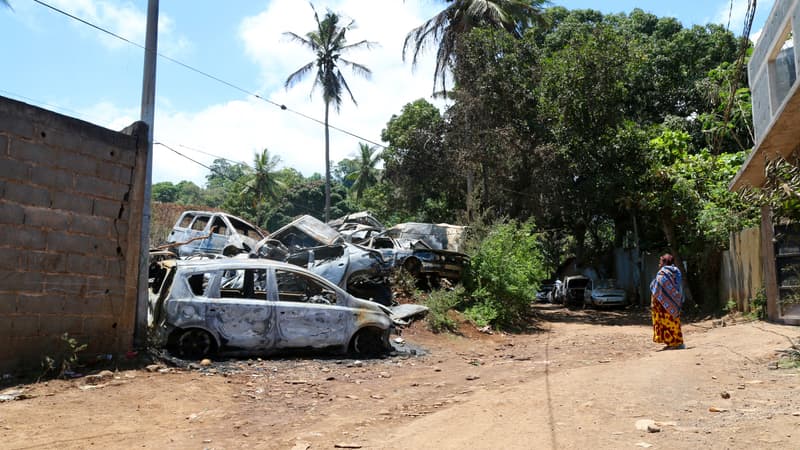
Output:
(214, 288)
(310, 243)
(427, 251)
(305, 242)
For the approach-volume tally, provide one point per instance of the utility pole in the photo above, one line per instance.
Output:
(147, 116)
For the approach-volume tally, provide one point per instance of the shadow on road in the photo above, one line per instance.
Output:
(613, 317)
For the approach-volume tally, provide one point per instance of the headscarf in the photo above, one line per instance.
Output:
(666, 288)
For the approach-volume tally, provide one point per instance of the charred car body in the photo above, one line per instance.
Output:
(205, 232)
(308, 242)
(416, 257)
(423, 249)
(572, 290)
(256, 305)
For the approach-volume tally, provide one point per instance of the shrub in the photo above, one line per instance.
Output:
(504, 274)
(439, 302)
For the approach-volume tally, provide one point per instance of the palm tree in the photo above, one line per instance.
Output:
(459, 18)
(328, 42)
(365, 173)
(262, 182)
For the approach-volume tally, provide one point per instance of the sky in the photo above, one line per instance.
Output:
(55, 62)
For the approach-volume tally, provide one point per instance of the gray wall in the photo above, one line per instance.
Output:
(71, 196)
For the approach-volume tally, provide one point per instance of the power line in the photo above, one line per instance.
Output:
(208, 75)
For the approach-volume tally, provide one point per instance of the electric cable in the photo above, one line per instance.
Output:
(208, 75)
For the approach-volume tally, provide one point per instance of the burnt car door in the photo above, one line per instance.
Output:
(239, 310)
(308, 312)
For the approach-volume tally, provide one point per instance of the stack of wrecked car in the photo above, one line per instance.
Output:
(310, 243)
(427, 251)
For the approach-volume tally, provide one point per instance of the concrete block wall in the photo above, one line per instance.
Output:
(71, 197)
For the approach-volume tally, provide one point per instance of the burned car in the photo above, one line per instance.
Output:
(418, 258)
(604, 292)
(308, 242)
(260, 306)
(572, 290)
(205, 232)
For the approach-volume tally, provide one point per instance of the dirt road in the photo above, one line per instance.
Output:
(582, 379)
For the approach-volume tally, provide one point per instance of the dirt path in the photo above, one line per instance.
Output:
(582, 380)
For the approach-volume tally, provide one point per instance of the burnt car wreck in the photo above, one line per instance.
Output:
(236, 305)
(308, 242)
(427, 251)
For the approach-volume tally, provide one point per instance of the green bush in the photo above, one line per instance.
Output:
(439, 302)
(504, 274)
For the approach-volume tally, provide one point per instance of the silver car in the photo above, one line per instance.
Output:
(604, 293)
(260, 306)
(206, 232)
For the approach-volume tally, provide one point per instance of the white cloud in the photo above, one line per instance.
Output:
(124, 19)
(238, 128)
(736, 13)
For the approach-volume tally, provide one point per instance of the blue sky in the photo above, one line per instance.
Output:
(57, 63)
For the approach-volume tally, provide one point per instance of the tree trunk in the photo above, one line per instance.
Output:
(669, 232)
(327, 166)
(469, 196)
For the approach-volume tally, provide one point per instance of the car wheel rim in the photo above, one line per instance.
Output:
(195, 344)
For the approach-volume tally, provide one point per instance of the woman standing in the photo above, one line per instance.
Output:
(666, 304)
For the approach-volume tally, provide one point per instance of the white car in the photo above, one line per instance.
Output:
(260, 306)
(604, 293)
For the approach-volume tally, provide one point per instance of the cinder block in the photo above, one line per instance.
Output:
(66, 242)
(47, 262)
(87, 264)
(47, 218)
(121, 151)
(40, 304)
(101, 227)
(57, 326)
(73, 202)
(108, 208)
(8, 303)
(69, 285)
(75, 162)
(100, 306)
(20, 281)
(26, 194)
(6, 330)
(3, 145)
(102, 286)
(11, 213)
(75, 306)
(101, 188)
(23, 238)
(99, 326)
(32, 152)
(58, 138)
(10, 259)
(25, 326)
(11, 169)
(55, 179)
(114, 172)
(17, 126)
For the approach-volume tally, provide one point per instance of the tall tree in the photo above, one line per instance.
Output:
(459, 18)
(365, 173)
(328, 42)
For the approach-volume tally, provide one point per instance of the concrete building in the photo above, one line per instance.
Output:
(776, 118)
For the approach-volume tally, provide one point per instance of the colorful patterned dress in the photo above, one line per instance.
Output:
(667, 301)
